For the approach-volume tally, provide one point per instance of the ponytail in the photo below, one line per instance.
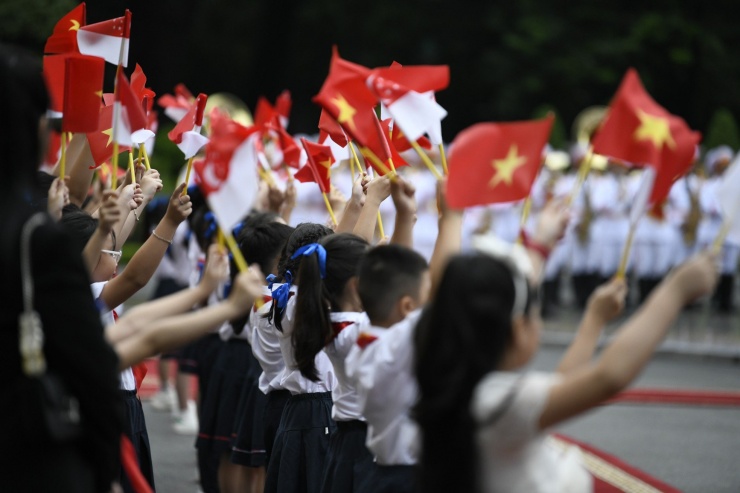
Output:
(325, 270)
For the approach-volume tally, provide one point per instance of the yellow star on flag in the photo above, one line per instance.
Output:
(99, 93)
(346, 111)
(654, 129)
(326, 164)
(75, 25)
(109, 133)
(506, 167)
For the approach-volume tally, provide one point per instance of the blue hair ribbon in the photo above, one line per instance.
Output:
(211, 221)
(310, 249)
(281, 293)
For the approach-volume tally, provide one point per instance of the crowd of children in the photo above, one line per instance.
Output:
(346, 362)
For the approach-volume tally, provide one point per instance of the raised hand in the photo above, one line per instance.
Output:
(180, 206)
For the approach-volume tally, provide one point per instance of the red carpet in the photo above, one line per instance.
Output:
(611, 475)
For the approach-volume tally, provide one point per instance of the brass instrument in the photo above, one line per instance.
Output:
(584, 225)
(231, 105)
(585, 125)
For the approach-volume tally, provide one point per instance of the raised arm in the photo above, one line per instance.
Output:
(449, 237)
(404, 198)
(216, 272)
(632, 346)
(177, 330)
(109, 215)
(80, 160)
(604, 305)
(376, 191)
(145, 261)
(354, 205)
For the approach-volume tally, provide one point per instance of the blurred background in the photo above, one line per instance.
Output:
(508, 60)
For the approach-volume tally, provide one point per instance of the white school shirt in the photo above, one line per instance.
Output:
(345, 330)
(381, 366)
(291, 378)
(514, 454)
(266, 344)
(128, 382)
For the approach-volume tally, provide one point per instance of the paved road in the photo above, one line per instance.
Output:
(694, 448)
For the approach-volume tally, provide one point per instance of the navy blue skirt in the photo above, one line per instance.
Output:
(135, 430)
(248, 437)
(274, 406)
(350, 467)
(298, 457)
(395, 479)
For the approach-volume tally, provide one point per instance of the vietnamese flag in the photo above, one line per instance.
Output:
(401, 143)
(228, 174)
(64, 37)
(54, 67)
(329, 125)
(318, 167)
(104, 39)
(283, 104)
(398, 161)
(83, 88)
(101, 140)
(638, 130)
(496, 162)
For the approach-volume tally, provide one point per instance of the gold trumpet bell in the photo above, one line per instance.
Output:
(587, 122)
(228, 103)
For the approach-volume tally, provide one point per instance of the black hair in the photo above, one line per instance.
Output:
(259, 245)
(23, 105)
(318, 297)
(303, 234)
(79, 224)
(462, 336)
(203, 226)
(388, 273)
(258, 218)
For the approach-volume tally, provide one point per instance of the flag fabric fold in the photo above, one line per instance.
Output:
(64, 37)
(228, 174)
(83, 86)
(186, 134)
(496, 162)
(318, 165)
(128, 113)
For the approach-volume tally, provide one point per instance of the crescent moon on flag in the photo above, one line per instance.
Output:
(75, 25)
(210, 178)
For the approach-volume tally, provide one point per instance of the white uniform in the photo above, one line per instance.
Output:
(345, 331)
(381, 366)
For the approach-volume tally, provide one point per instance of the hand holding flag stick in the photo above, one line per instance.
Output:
(359, 168)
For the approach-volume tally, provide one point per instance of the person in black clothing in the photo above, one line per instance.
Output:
(74, 346)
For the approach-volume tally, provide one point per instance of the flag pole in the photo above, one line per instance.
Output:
(622, 270)
(525, 215)
(116, 117)
(131, 166)
(142, 148)
(426, 159)
(583, 171)
(328, 207)
(720, 239)
(359, 168)
(443, 157)
(63, 157)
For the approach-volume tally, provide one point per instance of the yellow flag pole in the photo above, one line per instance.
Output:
(328, 207)
(142, 150)
(443, 157)
(622, 270)
(381, 231)
(114, 163)
(63, 158)
(377, 162)
(525, 215)
(720, 239)
(582, 174)
(131, 166)
(187, 176)
(425, 158)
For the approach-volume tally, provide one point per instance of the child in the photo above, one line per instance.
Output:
(266, 323)
(474, 340)
(110, 292)
(306, 423)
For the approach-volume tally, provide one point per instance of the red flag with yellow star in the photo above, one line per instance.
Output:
(83, 88)
(101, 141)
(496, 162)
(318, 166)
(639, 130)
(64, 37)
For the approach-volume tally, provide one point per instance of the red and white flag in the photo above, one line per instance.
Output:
(104, 39)
(228, 174)
(186, 133)
(128, 114)
(177, 106)
(416, 114)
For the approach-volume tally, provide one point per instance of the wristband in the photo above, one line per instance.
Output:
(154, 233)
(530, 244)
